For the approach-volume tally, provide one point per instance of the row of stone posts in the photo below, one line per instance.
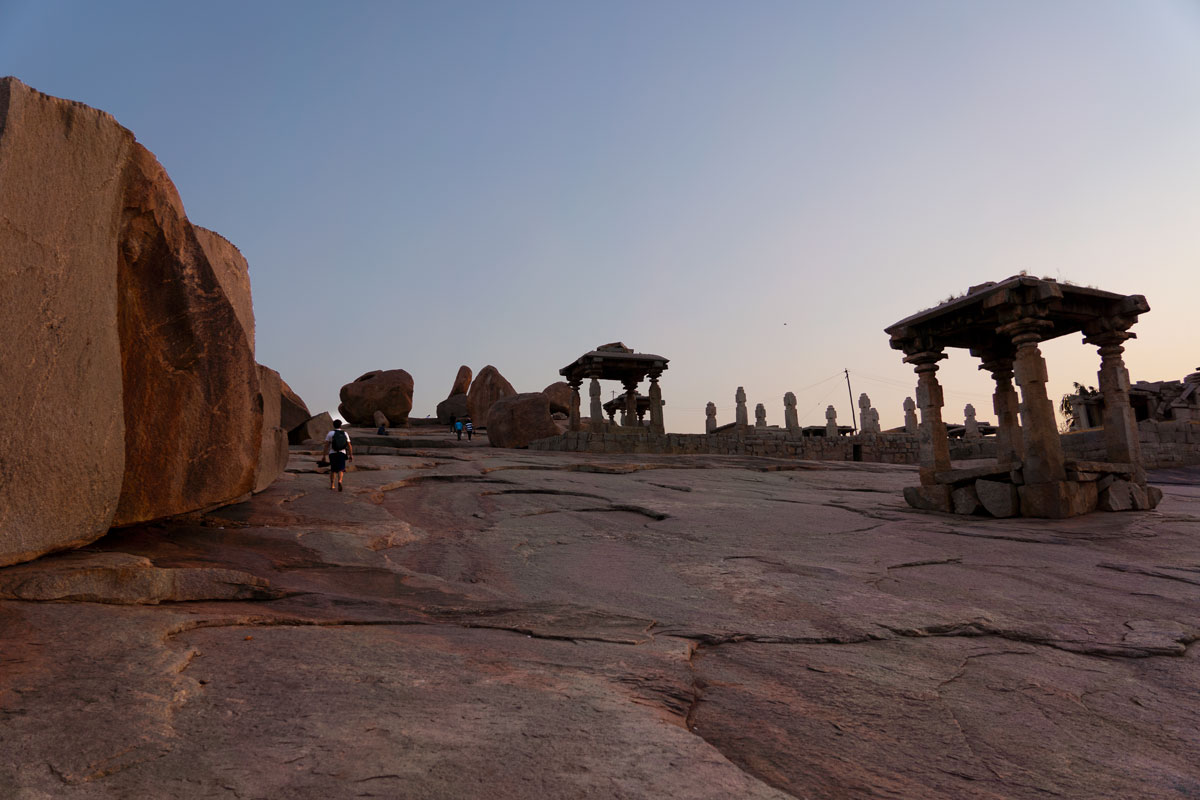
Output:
(868, 416)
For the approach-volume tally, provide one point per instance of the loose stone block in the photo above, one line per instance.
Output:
(1000, 499)
(965, 500)
(929, 498)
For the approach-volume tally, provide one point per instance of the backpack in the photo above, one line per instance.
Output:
(339, 442)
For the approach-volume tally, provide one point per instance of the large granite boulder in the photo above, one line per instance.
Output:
(193, 421)
(462, 382)
(273, 456)
(386, 390)
(559, 395)
(313, 429)
(232, 271)
(293, 411)
(452, 408)
(519, 419)
(62, 432)
(134, 377)
(488, 387)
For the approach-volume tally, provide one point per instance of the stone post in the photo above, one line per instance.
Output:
(574, 423)
(910, 416)
(741, 418)
(933, 446)
(790, 419)
(710, 417)
(1009, 445)
(760, 416)
(1043, 462)
(1120, 426)
(631, 416)
(970, 424)
(865, 418)
(657, 425)
(597, 408)
(831, 426)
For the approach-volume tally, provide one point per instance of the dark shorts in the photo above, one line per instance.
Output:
(337, 462)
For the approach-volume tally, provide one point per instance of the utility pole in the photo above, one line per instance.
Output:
(853, 421)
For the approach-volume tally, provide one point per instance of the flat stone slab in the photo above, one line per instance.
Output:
(518, 624)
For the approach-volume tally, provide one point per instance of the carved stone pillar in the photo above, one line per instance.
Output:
(1120, 425)
(932, 443)
(574, 423)
(1009, 446)
(1043, 461)
(597, 409)
(791, 419)
(741, 417)
(656, 406)
(631, 416)
(760, 416)
(710, 417)
(910, 416)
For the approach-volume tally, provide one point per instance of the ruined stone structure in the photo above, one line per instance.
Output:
(740, 417)
(760, 416)
(1002, 324)
(1157, 401)
(831, 426)
(617, 362)
(868, 416)
(710, 417)
(970, 423)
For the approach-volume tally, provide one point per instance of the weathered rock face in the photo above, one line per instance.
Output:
(233, 273)
(381, 421)
(520, 419)
(60, 209)
(389, 391)
(488, 387)
(462, 382)
(273, 457)
(293, 411)
(312, 429)
(559, 395)
(190, 380)
(121, 347)
(452, 408)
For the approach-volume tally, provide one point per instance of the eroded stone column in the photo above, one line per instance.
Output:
(933, 445)
(1043, 461)
(710, 417)
(1120, 425)
(574, 422)
(597, 409)
(1009, 446)
(791, 419)
(910, 416)
(657, 425)
(741, 417)
(760, 416)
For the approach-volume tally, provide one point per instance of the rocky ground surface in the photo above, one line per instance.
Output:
(472, 622)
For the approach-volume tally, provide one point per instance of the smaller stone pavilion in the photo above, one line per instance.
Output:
(1001, 324)
(617, 362)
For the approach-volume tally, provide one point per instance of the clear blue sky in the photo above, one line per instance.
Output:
(424, 185)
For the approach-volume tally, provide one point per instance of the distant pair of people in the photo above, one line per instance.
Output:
(464, 425)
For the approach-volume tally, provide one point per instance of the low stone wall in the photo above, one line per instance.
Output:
(1171, 443)
(889, 448)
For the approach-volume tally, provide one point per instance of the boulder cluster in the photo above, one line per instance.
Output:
(126, 339)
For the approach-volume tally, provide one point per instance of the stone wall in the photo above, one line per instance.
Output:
(771, 442)
(1169, 443)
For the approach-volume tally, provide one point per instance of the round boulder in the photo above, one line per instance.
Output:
(559, 394)
(488, 387)
(389, 391)
(519, 419)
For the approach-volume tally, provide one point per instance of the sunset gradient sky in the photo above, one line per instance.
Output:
(752, 189)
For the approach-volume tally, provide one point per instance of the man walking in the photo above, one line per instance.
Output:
(339, 450)
(470, 429)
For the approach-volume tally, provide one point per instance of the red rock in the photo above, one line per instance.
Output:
(313, 429)
(517, 420)
(193, 424)
(389, 391)
(273, 457)
(452, 408)
(462, 382)
(58, 341)
(559, 394)
(233, 273)
(292, 410)
(488, 387)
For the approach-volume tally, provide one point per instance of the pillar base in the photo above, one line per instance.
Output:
(1058, 499)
